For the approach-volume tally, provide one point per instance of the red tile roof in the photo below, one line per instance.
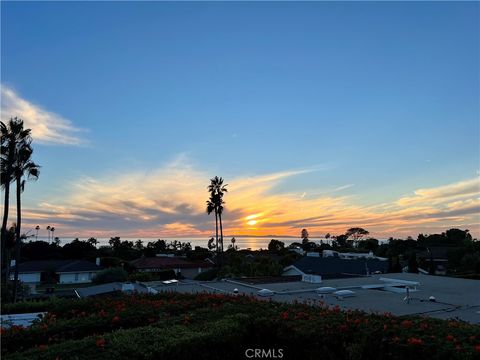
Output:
(168, 263)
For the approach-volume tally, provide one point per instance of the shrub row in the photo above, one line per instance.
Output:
(301, 330)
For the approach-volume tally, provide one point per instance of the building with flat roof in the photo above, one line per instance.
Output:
(111, 289)
(454, 297)
(333, 267)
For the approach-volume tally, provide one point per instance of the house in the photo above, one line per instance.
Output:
(347, 255)
(332, 267)
(113, 288)
(186, 268)
(60, 271)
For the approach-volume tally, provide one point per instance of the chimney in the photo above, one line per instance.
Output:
(97, 261)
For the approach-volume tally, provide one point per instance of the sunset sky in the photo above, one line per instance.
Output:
(318, 115)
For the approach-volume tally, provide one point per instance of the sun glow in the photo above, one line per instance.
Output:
(251, 217)
(252, 222)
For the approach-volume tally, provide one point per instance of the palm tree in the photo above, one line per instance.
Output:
(36, 232)
(220, 203)
(23, 168)
(217, 189)
(52, 229)
(211, 208)
(13, 136)
(48, 232)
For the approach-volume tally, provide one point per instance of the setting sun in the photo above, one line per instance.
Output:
(252, 222)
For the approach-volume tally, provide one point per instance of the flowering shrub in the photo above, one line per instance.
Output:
(207, 326)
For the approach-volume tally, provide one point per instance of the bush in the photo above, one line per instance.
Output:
(207, 275)
(208, 326)
(110, 275)
(140, 276)
(110, 261)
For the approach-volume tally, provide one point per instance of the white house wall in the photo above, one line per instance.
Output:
(29, 277)
(76, 278)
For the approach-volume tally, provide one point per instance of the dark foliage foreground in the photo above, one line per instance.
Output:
(205, 326)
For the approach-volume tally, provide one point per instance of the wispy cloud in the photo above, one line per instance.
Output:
(343, 187)
(444, 193)
(47, 127)
(170, 202)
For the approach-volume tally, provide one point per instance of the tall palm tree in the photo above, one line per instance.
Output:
(36, 232)
(211, 208)
(219, 204)
(217, 189)
(23, 168)
(52, 229)
(13, 136)
(48, 232)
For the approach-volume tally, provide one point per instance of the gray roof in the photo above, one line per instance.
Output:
(59, 266)
(109, 288)
(330, 267)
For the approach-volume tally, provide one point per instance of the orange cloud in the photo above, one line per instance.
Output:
(170, 202)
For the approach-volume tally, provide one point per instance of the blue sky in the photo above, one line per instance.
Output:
(377, 99)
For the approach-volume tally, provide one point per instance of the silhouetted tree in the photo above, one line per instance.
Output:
(211, 209)
(23, 168)
(139, 245)
(93, 241)
(356, 233)
(217, 190)
(276, 246)
(412, 263)
(13, 138)
(78, 249)
(368, 244)
(304, 236)
(41, 250)
(341, 240)
(210, 244)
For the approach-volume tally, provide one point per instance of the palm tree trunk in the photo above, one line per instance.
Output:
(17, 240)
(221, 234)
(4, 232)
(216, 232)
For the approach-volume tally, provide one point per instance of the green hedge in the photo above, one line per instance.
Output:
(207, 326)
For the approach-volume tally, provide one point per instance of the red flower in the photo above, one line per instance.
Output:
(357, 321)
(385, 327)
(477, 348)
(343, 328)
(396, 339)
(284, 315)
(115, 319)
(423, 326)
(450, 338)
(101, 343)
(407, 324)
(414, 341)
(42, 347)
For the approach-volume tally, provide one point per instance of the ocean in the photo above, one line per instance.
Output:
(243, 242)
